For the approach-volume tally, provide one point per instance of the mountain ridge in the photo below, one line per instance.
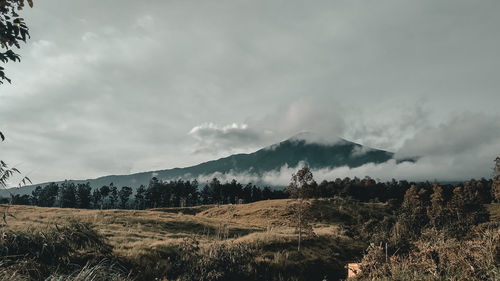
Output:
(290, 152)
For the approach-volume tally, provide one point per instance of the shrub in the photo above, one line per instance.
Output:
(437, 258)
(35, 253)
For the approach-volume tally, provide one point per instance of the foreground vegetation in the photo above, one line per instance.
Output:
(231, 242)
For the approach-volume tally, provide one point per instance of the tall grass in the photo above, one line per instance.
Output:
(438, 258)
(37, 253)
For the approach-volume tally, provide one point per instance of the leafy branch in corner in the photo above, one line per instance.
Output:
(13, 30)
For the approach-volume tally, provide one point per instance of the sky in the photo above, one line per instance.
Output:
(117, 88)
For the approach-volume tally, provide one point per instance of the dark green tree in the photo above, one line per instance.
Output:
(113, 196)
(192, 192)
(154, 197)
(124, 195)
(35, 195)
(67, 195)
(139, 200)
(256, 194)
(48, 195)
(96, 199)
(215, 188)
(104, 190)
(21, 199)
(206, 195)
(247, 193)
(83, 196)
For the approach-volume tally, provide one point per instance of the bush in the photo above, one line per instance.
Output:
(220, 261)
(437, 258)
(36, 253)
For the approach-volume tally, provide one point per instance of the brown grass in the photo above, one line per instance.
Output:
(147, 238)
(494, 210)
(134, 231)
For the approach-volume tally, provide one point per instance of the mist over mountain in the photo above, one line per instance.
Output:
(294, 152)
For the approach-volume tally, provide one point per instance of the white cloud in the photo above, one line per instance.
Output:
(146, 22)
(360, 151)
(89, 36)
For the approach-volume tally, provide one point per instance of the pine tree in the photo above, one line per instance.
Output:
(113, 196)
(124, 195)
(96, 199)
(83, 191)
(67, 195)
(139, 198)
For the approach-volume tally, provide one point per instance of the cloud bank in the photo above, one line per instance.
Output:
(100, 92)
(459, 149)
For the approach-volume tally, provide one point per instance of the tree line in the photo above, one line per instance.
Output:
(157, 194)
(190, 193)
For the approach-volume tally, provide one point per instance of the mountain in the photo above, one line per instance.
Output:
(289, 152)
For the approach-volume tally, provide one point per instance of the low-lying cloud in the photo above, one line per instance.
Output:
(314, 119)
(460, 149)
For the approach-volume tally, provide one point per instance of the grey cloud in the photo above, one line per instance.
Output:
(460, 149)
(213, 139)
(462, 134)
(308, 118)
(360, 151)
(321, 116)
(387, 126)
(127, 81)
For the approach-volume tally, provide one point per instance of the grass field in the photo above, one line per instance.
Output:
(146, 239)
(494, 210)
(148, 235)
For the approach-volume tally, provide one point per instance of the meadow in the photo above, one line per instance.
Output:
(252, 241)
(144, 243)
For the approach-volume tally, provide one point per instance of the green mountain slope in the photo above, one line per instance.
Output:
(290, 152)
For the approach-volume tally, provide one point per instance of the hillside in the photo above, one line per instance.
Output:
(287, 153)
(163, 243)
(145, 238)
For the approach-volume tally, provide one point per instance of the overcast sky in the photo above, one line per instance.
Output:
(116, 87)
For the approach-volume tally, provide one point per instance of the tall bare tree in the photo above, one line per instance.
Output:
(300, 188)
(495, 189)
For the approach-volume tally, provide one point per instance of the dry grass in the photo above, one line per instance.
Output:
(494, 210)
(137, 231)
(148, 238)
(260, 214)
(129, 230)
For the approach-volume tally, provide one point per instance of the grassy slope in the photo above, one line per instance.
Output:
(146, 234)
(494, 210)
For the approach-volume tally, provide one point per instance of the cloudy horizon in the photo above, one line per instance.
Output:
(116, 89)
